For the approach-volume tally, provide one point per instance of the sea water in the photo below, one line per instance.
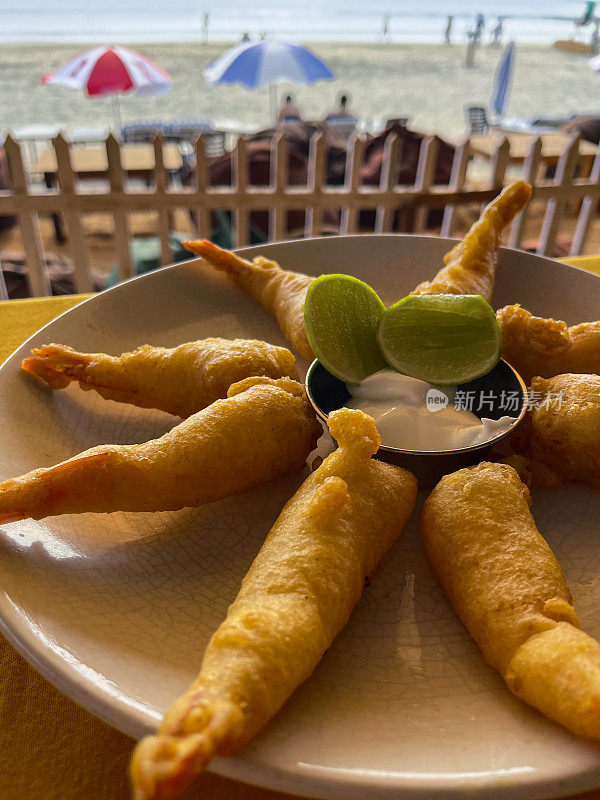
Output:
(302, 20)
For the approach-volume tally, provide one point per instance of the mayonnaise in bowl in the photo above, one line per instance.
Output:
(411, 414)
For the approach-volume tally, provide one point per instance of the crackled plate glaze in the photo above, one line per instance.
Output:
(116, 609)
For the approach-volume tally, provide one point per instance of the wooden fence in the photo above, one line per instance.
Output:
(71, 201)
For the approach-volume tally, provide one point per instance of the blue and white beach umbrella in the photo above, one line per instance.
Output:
(502, 78)
(266, 63)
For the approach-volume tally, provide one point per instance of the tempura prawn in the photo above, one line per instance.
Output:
(297, 596)
(264, 429)
(508, 589)
(470, 267)
(560, 437)
(546, 347)
(180, 380)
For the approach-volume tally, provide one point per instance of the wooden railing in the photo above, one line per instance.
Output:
(315, 198)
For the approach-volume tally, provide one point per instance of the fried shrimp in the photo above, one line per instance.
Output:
(470, 267)
(295, 599)
(546, 347)
(507, 587)
(561, 434)
(180, 380)
(264, 429)
(279, 291)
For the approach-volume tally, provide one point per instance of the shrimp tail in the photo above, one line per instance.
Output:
(219, 258)
(165, 764)
(57, 365)
(52, 490)
(352, 428)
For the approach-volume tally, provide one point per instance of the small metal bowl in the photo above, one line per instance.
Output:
(500, 392)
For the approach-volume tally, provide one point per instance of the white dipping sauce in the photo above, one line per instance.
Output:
(412, 415)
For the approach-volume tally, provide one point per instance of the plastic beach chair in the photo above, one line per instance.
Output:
(477, 121)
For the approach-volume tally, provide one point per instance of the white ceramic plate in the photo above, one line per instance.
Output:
(116, 609)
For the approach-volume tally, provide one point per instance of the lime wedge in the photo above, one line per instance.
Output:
(341, 315)
(441, 338)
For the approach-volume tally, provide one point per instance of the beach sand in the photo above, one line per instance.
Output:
(429, 84)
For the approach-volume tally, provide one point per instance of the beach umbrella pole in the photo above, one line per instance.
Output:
(116, 104)
(273, 101)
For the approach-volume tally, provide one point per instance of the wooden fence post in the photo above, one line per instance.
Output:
(354, 159)
(425, 178)
(164, 217)
(37, 279)
(240, 216)
(201, 214)
(78, 246)
(279, 181)
(316, 177)
(531, 167)
(457, 182)
(117, 185)
(556, 206)
(392, 154)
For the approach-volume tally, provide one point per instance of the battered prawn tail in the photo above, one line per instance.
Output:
(45, 492)
(56, 364)
(510, 202)
(502, 210)
(558, 672)
(164, 765)
(353, 429)
(219, 258)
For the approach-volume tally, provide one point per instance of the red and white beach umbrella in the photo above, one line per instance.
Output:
(111, 71)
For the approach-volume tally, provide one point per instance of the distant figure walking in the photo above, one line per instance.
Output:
(245, 36)
(205, 26)
(471, 47)
(448, 31)
(289, 111)
(386, 28)
(341, 111)
(479, 27)
(495, 41)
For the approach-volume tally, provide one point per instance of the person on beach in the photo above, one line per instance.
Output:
(448, 31)
(289, 111)
(341, 111)
(386, 28)
(471, 47)
(479, 27)
(497, 33)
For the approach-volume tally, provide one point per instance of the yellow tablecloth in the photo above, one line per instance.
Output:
(50, 748)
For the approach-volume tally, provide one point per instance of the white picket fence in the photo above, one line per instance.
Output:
(71, 201)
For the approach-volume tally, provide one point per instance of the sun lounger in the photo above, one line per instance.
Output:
(142, 131)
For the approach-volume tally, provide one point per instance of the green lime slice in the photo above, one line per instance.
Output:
(441, 338)
(341, 315)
